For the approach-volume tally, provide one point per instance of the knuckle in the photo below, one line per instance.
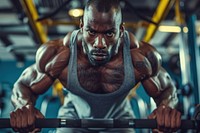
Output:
(178, 113)
(167, 125)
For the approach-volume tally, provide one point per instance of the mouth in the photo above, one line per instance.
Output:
(99, 56)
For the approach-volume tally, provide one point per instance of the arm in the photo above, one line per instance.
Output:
(25, 92)
(51, 59)
(160, 87)
(155, 80)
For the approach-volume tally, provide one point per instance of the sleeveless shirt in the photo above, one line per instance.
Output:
(101, 105)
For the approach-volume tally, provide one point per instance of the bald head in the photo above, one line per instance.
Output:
(105, 6)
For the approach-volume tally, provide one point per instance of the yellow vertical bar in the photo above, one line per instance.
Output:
(32, 15)
(179, 15)
(160, 13)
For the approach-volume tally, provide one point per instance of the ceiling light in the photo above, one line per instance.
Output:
(77, 12)
(173, 29)
(75, 9)
(185, 29)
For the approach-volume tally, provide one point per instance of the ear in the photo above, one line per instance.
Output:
(81, 23)
(122, 28)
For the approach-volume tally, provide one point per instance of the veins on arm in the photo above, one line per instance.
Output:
(161, 89)
(30, 84)
(158, 83)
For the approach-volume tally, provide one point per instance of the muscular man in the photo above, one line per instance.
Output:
(98, 64)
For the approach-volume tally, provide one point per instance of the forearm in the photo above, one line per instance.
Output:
(22, 95)
(161, 89)
(167, 97)
(30, 84)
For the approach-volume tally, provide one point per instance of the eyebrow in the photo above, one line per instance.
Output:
(109, 30)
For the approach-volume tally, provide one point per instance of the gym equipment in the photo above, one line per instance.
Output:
(186, 90)
(2, 96)
(106, 123)
(100, 123)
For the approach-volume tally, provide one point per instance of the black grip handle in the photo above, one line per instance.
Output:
(5, 123)
(47, 123)
(97, 123)
(100, 123)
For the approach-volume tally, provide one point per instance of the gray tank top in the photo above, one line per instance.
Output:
(102, 105)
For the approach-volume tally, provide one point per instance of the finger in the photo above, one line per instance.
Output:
(36, 130)
(173, 120)
(25, 117)
(160, 119)
(13, 121)
(19, 118)
(39, 114)
(178, 120)
(152, 115)
(167, 117)
(157, 131)
(31, 116)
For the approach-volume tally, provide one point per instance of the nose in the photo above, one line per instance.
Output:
(100, 43)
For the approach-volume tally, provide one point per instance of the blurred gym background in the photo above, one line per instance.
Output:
(172, 26)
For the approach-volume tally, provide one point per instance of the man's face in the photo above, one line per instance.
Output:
(101, 35)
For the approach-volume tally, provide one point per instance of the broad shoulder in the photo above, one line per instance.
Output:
(133, 41)
(52, 51)
(67, 39)
(146, 59)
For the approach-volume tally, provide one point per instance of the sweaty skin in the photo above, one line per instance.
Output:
(100, 70)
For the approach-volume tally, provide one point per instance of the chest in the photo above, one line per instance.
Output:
(103, 79)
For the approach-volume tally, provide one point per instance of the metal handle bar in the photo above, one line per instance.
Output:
(100, 123)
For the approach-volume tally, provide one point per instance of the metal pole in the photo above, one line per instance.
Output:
(161, 11)
(194, 57)
(32, 14)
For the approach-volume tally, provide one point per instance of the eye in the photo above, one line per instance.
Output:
(109, 34)
(91, 33)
